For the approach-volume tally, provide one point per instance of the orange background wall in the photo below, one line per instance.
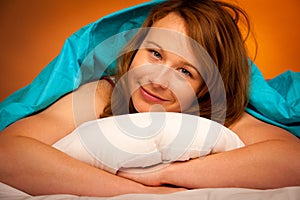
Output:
(32, 33)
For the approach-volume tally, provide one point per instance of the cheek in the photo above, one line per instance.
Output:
(138, 60)
(138, 104)
(184, 94)
(136, 77)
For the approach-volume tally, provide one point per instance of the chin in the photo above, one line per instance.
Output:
(140, 108)
(150, 108)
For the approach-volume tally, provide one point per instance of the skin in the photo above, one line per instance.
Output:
(160, 74)
(29, 163)
(251, 168)
(172, 85)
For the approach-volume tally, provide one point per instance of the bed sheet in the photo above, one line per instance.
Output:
(286, 193)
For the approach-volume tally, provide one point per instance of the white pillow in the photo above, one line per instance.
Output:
(146, 139)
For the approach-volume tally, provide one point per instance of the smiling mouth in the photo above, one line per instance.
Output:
(150, 97)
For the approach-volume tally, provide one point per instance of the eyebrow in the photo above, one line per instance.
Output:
(154, 43)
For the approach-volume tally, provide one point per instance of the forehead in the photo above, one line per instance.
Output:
(169, 34)
(173, 22)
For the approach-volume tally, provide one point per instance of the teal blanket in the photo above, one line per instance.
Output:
(276, 101)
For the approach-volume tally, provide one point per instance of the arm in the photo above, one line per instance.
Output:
(29, 163)
(270, 159)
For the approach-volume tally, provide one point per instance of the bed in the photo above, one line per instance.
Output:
(287, 193)
(275, 101)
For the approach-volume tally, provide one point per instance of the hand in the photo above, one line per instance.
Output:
(152, 176)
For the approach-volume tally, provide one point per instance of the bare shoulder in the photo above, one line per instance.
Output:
(252, 130)
(63, 116)
(104, 86)
(90, 100)
(103, 94)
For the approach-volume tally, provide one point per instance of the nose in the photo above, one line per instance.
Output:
(161, 78)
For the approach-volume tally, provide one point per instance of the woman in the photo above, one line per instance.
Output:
(30, 163)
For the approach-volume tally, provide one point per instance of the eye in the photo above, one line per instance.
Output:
(155, 54)
(185, 72)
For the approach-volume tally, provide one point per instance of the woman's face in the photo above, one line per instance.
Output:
(162, 76)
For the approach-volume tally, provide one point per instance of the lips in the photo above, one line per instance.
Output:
(150, 97)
